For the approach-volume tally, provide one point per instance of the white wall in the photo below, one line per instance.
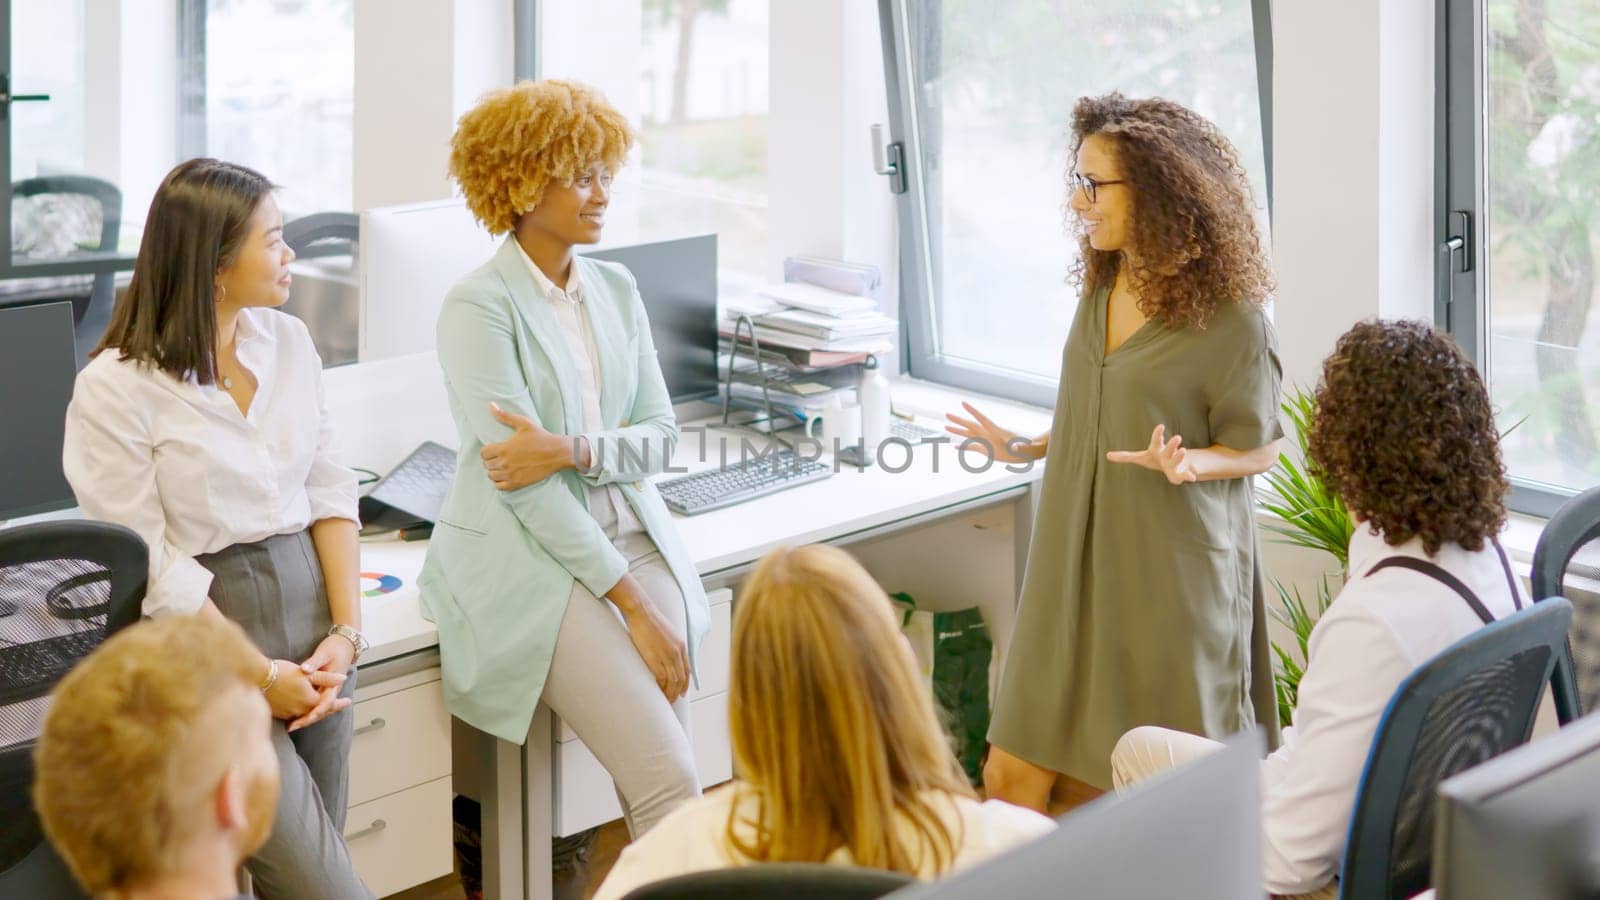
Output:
(1353, 170)
(419, 64)
(1406, 159)
(827, 90)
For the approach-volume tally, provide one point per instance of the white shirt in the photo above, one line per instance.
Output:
(692, 838)
(1377, 632)
(570, 311)
(177, 462)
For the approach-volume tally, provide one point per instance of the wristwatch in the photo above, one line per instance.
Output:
(354, 637)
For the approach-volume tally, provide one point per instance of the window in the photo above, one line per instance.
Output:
(692, 77)
(124, 94)
(981, 96)
(279, 96)
(1519, 228)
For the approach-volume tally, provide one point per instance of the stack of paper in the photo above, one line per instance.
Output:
(803, 315)
(821, 300)
(815, 329)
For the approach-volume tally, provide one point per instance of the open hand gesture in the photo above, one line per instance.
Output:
(1167, 457)
(1002, 444)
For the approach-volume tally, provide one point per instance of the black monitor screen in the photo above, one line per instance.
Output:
(40, 363)
(678, 282)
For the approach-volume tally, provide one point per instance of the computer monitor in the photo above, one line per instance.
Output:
(1525, 824)
(1194, 832)
(409, 258)
(40, 358)
(678, 283)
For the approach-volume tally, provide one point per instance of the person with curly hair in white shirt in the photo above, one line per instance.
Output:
(1405, 435)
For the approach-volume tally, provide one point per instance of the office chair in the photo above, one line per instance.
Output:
(1474, 701)
(329, 300)
(1577, 679)
(64, 586)
(29, 866)
(92, 297)
(57, 579)
(798, 881)
(322, 234)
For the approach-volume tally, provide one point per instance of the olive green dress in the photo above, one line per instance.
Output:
(1143, 601)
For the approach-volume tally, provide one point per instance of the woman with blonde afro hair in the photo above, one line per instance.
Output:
(518, 140)
(555, 573)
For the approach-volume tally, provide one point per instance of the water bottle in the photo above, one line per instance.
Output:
(873, 394)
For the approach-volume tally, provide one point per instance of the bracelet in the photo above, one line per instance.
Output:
(272, 676)
(357, 642)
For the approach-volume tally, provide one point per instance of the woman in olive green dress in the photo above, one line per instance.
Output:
(1143, 598)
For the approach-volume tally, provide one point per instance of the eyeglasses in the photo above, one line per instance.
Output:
(1089, 186)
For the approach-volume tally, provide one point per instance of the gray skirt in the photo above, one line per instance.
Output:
(274, 590)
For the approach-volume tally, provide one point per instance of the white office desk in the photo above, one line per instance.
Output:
(851, 506)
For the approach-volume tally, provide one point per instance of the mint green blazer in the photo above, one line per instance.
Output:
(500, 565)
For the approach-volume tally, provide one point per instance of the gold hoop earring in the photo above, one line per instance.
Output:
(222, 291)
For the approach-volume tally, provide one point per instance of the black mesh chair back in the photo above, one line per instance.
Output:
(1470, 703)
(64, 586)
(1577, 679)
(69, 213)
(29, 866)
(72, 582)
(795, 881)
(322, 234)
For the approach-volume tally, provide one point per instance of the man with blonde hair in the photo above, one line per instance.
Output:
(155, 774)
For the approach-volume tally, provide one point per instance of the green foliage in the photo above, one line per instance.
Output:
(1311, 516)
(1294, 613)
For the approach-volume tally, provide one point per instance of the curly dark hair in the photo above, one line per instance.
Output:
(1194, 229)
(1404, 433)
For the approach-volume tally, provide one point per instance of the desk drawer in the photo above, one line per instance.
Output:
(402, 840)
(402, 740)
(584, 794)
(713, 750)
(714, 653)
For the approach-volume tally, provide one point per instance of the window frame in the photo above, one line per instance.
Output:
(525, 27)
(87, 263)
(919, 317)
(1461, 296)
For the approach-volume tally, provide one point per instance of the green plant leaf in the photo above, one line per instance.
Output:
(1303, 512)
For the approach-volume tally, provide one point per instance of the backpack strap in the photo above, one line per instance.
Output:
(1511, 579)
(1438, 574)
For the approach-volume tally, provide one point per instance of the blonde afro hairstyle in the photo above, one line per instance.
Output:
(518, 140)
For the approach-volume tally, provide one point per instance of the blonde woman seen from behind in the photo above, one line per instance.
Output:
(840, 753)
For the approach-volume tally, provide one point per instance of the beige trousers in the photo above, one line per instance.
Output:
(1148, 751)
(599, 685)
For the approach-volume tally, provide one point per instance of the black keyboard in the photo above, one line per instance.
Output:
(30, 670)
(416, 487)
(705, 491)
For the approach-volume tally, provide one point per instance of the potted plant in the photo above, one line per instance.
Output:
(1302, 511)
